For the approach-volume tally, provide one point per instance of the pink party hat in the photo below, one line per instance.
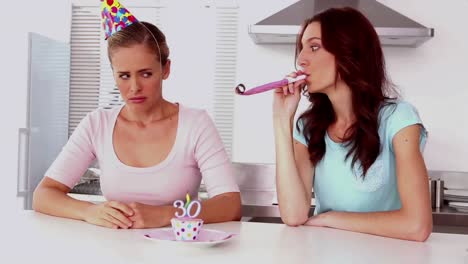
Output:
(115, 17)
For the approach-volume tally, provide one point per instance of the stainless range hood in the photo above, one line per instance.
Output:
(393, 28)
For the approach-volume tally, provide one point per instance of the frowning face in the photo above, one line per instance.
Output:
(138, 75)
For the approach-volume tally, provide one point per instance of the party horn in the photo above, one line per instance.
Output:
(240, 89)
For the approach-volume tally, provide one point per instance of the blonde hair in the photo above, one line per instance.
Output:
(140, 33)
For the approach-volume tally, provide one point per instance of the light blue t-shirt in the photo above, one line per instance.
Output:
(338, 187)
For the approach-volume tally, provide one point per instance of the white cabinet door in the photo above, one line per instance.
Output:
(47, 114)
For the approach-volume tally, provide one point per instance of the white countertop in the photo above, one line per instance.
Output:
(33, 237)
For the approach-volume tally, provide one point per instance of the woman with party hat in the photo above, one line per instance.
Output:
(151, 152)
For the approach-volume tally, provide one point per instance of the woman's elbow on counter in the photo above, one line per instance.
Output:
(39, 198)
(421, 231)
(234, 213)
(36, 200)
(294, 220)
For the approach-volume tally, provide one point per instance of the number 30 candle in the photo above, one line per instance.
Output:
(186, 208)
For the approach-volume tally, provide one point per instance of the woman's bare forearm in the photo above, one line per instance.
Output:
(57, 203)
(293, 199)
(395, 224)
(221, 208)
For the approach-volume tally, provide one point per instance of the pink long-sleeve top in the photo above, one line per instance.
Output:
(198, 153)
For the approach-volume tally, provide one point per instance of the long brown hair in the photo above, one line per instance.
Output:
(351, 38)
(140, 33)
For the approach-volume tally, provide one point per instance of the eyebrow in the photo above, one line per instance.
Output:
(127, 72)
(142, 70)
(312, 38)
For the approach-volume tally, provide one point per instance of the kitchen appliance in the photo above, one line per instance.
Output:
(393, 28)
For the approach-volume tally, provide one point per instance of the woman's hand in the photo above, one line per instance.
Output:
(148, 216)
(286, 98)
(111, 214)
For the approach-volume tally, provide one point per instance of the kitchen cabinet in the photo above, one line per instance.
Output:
(46, 130)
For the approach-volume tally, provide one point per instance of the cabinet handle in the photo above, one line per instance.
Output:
(23, 162)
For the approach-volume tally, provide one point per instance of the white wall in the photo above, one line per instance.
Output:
(432, 77)
(47, 17)
(257, 64)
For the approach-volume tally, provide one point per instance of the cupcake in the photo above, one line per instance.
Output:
(186, 226)
(186, 229)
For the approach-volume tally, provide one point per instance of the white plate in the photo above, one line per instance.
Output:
(206, 238)
(456, 199)
(459, 206)
(461, 193)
